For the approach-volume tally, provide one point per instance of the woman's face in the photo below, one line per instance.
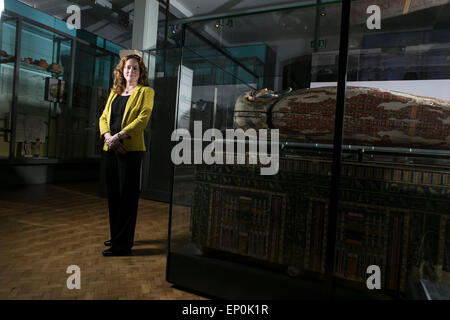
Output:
(131, 71)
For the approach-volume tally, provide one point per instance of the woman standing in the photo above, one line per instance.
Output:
(122, 125)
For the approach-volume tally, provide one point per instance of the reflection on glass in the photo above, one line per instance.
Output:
(103, 80)
(254, 72)
(93, 79)
(43, 79)
(215, 86)
(91, 89)
(395, 181)
(7, 58)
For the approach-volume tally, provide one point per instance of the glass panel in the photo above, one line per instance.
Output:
(395, 183)
(157, 164)
(115, 63)
(42, 93)
(103, 69)
(8, 27)
(90, 92)
(112, 47)
(29, 10)
(274, 222)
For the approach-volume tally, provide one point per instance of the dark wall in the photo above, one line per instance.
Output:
(157, 164)
(297, 74)
(269, 68)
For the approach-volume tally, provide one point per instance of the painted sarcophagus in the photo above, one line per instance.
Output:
(393, 214)
(373, 117)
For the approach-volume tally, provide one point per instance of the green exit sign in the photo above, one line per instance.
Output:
(320, 44)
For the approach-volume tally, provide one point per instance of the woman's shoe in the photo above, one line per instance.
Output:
(108, 243)
(111, 252)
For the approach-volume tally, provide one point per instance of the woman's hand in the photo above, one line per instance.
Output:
(119, 148)
(106, 136)
(113, 142)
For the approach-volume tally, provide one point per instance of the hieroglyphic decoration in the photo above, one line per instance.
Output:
(389, 215)
(246, 222)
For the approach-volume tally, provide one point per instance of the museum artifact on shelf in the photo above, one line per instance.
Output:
(54, 89)
(5, 57)
(42, 63)
(388, 204)
(55, 67)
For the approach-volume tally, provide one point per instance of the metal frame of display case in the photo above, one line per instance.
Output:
(337, 144)
(330, 291)
(274, 281)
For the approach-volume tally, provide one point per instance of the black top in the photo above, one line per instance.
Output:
(117, 110)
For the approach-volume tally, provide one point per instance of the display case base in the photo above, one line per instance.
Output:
(224, 279)
(42, 171)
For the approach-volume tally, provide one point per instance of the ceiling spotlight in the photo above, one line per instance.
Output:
(174, 28)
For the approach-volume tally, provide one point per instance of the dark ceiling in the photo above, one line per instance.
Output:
(116, 23)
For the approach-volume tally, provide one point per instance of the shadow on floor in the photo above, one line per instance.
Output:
(150, 241)
(148, 252)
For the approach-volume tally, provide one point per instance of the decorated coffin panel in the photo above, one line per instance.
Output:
(373, 117)
(247, 222)
(385, 214)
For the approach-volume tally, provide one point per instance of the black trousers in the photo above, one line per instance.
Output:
(123, 175)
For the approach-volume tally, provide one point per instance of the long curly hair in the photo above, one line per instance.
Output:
(119, 80)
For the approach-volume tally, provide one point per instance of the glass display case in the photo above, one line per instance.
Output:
(235, 233)
(231, 226)
(42, 100)
(52, 102)
(90, 92)
(394, 203)
(8, 29)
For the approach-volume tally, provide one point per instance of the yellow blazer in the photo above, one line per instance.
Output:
(135, 117)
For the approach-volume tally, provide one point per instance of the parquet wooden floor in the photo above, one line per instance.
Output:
(46, 228)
